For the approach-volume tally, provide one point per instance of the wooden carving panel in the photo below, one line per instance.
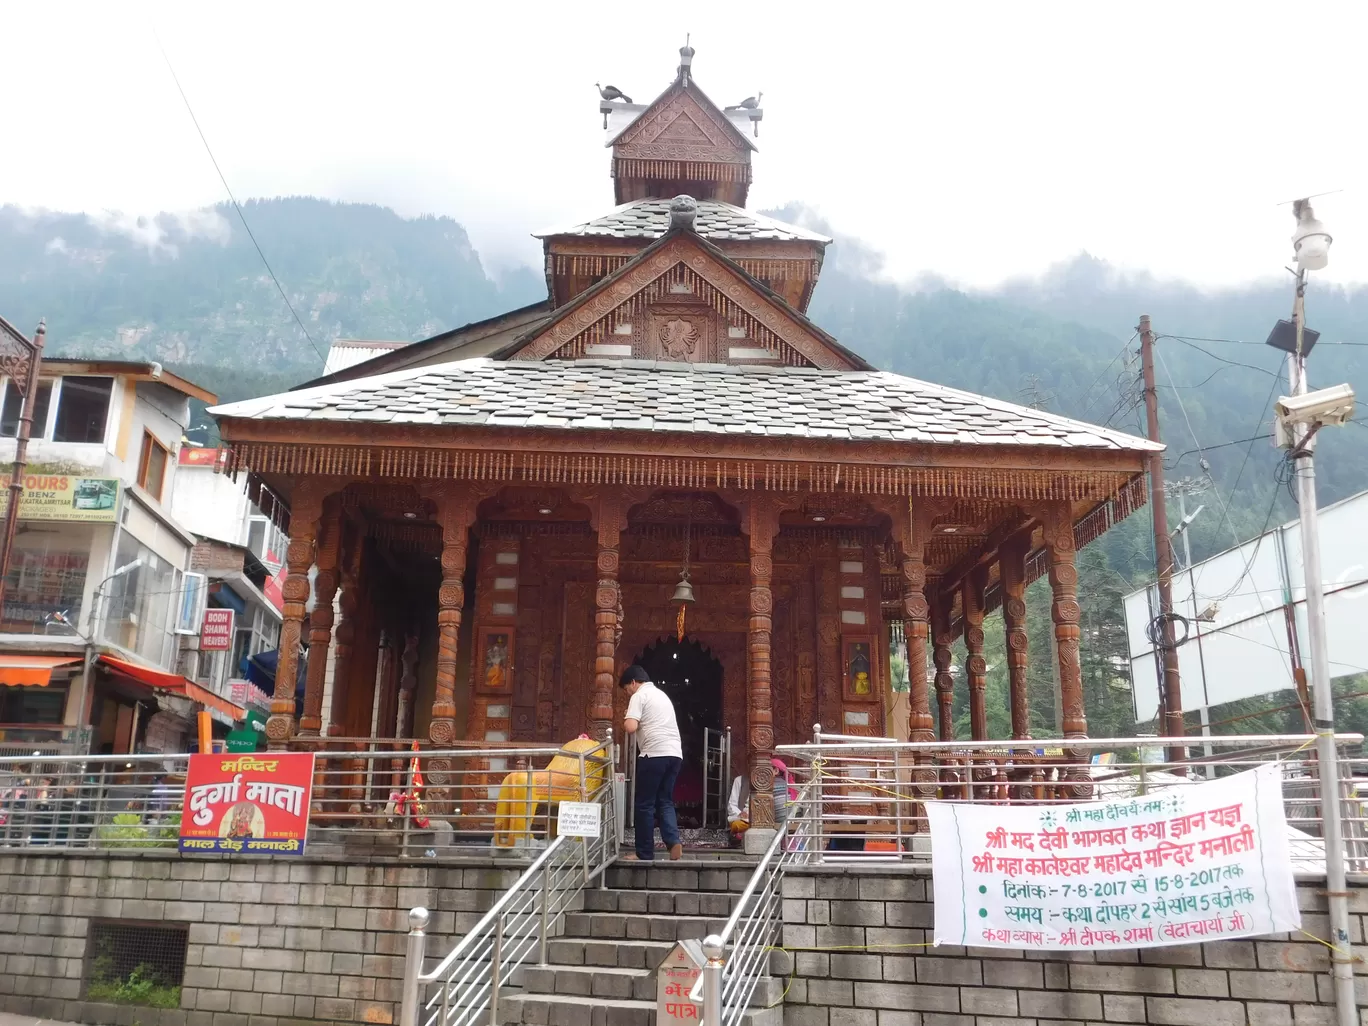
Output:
(783, 663)
(681, 333)
(828, 647)
(681, 127)
(805, 671)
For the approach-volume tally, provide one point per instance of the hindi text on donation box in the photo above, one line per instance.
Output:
(247, 804)
(1191, 863)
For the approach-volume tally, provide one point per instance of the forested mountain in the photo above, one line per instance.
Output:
(191, 291)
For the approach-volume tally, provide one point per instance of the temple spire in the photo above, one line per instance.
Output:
(686, 56)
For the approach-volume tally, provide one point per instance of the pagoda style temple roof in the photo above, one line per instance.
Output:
(716, 221)
(650, 396)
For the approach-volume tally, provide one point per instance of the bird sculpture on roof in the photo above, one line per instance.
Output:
(749, 103)
(611, 92)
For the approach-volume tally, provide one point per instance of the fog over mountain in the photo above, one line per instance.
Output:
(190, 291)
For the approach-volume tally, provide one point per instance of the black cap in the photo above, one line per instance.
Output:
(633, 673)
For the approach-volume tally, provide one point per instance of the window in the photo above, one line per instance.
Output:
(141, 602)
(14, 402)
(266, 541)
(152, 465)
(82, 410)
(33, 704)
(193, 600)
(47, 575)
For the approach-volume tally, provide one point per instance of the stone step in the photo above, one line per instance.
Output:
(574, 1010)
(678, 903)
(618, 983)
(721, 876)
(633, 926)
(590, 981)
(644, 954)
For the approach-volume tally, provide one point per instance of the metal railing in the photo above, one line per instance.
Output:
(868, 794)
(471, 979)
(738, 956)
(491, 800)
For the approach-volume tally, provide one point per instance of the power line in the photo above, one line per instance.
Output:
(236, 205)
(1221, 359)
(1247, 342)
(1105, 369)
(1238, 441)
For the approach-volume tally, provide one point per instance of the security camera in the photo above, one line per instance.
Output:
(1325, 406)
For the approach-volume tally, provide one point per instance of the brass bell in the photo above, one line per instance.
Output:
(683, 590)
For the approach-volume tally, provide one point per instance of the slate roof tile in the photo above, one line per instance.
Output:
(644, 397)
(716, 222)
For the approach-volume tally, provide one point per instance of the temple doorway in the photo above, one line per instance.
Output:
(691, 675)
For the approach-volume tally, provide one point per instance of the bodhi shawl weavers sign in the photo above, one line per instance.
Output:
(248, 804)
(1191, 863)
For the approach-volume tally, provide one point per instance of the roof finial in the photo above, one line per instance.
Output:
(683, 212)
(686, 54)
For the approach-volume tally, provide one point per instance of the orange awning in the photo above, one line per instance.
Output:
(23, 670)
(174, 683)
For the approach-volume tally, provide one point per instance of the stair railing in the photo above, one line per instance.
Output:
(521, 923)
(738, 957)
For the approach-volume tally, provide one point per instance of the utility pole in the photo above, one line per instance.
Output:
(21, 360)
(1170, 688)
(1185, 528)
(1311, 243)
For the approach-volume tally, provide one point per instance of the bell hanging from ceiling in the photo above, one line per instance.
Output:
(684, 589)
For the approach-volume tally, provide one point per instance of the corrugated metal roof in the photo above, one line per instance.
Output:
(348, 352)
(645, 396)
(716, 222)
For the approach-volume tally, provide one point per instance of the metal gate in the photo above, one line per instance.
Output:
(716, 776)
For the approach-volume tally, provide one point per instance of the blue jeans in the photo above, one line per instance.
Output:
(655, 785)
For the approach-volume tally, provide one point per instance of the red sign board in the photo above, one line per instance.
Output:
(274, 589)
(247, 804)
(194, 456)
(216, 634)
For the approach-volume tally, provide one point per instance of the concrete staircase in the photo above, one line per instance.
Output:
(601, 972)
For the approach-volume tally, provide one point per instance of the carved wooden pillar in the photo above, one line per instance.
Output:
(306, 509)
(607, 615)
(942, 638)
(344, 636)
(456, 513)
(408, 686)
(1065, 611)
(1013, 573)
(976, 668)
(321, 621)
(916, 621)
(764, 525)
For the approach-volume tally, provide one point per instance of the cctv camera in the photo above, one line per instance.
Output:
(1324, 406)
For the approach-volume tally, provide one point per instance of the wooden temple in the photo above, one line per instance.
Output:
(503, 513)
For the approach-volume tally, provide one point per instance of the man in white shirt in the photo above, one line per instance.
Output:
(651, 717)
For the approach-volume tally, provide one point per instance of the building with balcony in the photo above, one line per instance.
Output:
(100, 596)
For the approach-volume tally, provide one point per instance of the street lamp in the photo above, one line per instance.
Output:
(1300, 416)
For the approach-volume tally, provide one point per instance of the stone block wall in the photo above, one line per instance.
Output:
(869, 962)
(270, 942)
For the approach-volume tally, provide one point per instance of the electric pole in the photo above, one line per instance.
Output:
(1170, 687)
(1311, 243)
(22, 360)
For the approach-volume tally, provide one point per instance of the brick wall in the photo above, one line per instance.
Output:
(1274, 981)
(270, 942)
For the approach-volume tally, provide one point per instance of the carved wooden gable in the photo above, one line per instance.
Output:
(683, 124)
(681, 303)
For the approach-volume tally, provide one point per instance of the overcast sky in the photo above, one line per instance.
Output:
(976, 141)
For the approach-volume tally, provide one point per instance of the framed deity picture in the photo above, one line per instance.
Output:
(495, 666)
(858, 668)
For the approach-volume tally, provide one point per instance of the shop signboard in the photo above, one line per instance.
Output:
(1191, 863)
(69, 497)
(246, 804)
(216, 633)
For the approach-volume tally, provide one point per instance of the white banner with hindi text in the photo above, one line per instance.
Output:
(1199, 862)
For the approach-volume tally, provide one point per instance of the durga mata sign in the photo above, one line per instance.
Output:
(246, 804)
